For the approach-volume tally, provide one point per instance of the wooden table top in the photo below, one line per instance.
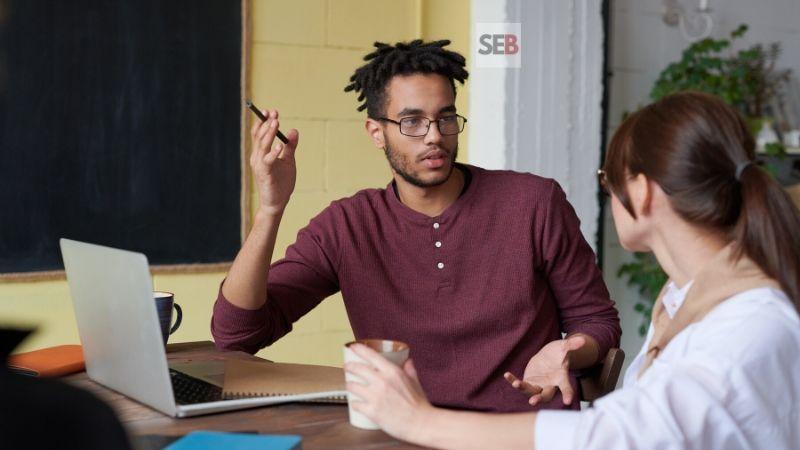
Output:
(322, 426)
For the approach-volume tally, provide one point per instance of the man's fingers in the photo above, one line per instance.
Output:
(264, 126)
(548, 393)
(515, 382)
(263, 129)
(510, 377)
(523, 386)
(271, 130)
(254, 129)
(575, 342)
(260, 145)
(279, 151)
(567, 394)
(529, 388)
(273, 152)
(266, 134)
(293, 137)
(538, 393)
(259, 148)
(274, 123)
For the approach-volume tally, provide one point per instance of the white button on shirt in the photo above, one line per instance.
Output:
(436, 226)
(730, 381)
(438, 244)
(440, 265)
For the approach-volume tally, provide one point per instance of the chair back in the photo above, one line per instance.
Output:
(602, 379)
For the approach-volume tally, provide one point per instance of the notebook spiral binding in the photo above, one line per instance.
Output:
(336, 399)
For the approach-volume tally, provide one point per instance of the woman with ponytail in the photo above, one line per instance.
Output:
(720, 367)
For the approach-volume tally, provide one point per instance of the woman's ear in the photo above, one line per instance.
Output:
(640, 191)
(375, 131)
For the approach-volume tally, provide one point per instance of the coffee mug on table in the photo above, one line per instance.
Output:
(165, 302)
(394, 351)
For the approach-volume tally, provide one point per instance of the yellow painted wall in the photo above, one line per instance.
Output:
(303, 53)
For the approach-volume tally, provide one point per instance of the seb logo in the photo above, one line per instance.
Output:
(498, 45)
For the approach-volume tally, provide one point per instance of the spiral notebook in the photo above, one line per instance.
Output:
(262, 378)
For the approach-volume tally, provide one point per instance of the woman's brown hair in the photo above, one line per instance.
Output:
(699, 151)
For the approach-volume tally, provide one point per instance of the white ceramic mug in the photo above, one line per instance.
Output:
(394, 351)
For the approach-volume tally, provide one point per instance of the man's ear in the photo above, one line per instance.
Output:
(641, 190)
(375, 131)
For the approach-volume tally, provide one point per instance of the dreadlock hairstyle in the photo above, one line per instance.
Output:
(403, 58)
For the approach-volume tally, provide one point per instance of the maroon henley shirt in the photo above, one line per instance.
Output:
(475, 292)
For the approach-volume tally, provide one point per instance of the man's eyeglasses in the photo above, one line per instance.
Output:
(419, 126)
(602, 182)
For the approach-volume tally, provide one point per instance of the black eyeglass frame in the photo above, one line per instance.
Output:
(428, 127)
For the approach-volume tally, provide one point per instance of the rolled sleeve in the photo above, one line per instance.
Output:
(296, 284)
(235, 328)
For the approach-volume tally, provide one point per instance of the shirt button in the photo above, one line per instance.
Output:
(438, 244)
(436, 226)
(440, 265)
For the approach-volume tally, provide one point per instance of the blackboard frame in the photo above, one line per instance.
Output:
(246, 180)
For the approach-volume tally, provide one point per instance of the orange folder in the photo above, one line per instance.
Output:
(49, 362)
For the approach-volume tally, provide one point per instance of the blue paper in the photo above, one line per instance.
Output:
(208, 440)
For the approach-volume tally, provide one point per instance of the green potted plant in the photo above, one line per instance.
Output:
(746, 79)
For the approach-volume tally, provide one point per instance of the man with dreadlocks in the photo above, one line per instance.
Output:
(479, 271)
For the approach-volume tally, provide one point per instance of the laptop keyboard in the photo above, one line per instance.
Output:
(189, 390)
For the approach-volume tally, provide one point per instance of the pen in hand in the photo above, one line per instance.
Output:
(260, 115)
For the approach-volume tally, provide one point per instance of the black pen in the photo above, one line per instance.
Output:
(260, 115)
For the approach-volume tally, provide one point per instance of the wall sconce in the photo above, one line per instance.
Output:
(694, 25)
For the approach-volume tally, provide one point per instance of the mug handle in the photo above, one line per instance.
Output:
(178, 318)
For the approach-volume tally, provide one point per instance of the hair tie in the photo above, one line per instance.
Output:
(741, 168)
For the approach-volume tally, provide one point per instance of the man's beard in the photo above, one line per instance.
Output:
(401, 166)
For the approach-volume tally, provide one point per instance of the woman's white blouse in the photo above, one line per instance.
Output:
(730, 381)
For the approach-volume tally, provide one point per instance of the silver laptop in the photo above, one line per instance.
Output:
(118, 325)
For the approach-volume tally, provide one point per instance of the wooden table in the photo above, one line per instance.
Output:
(322, 426)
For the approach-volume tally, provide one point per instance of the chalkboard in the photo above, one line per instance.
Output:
(120, 125)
